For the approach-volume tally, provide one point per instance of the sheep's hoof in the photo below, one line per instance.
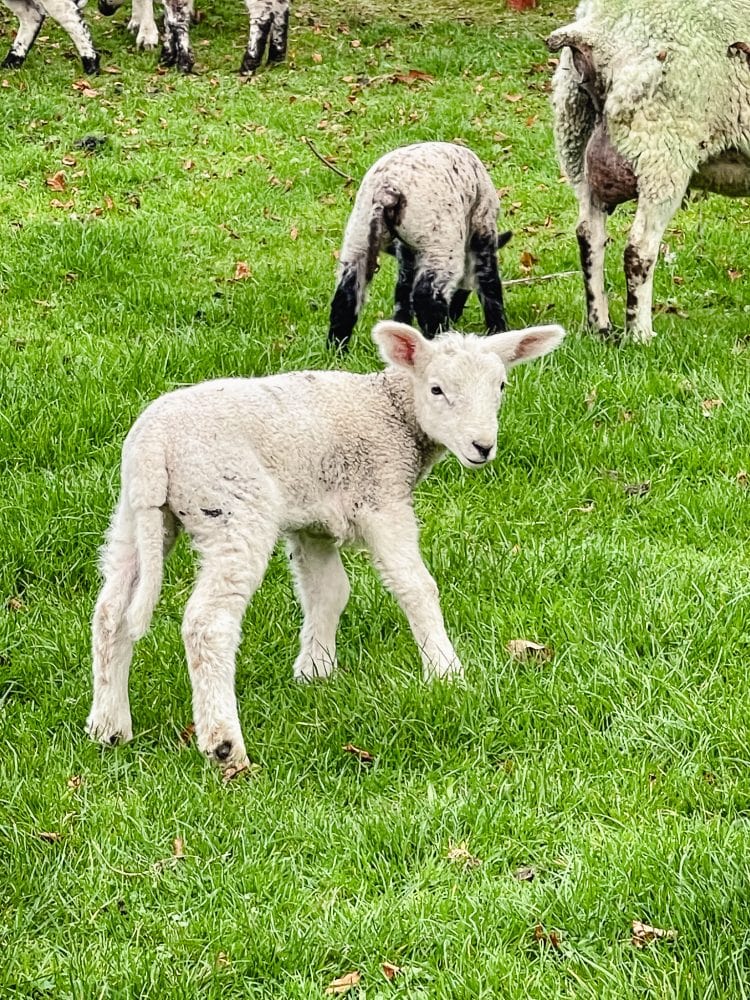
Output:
(90, 64)
(13, 61)
(638, 335)
(109, 732)
(249, 64)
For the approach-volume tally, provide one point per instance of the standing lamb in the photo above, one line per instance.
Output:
(435, 207)
(269, 24)
(67, 13)
(651, 97)
(325, 458)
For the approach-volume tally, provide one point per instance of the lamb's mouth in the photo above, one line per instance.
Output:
(476, 461)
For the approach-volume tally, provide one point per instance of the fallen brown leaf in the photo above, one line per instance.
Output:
(459, 854)
(524, 649)
(527, 260)
(49, 837)
(112, 70)
(734, 274)
(317, 57)
(551, 938)
(709, 405)
(412, 76)
(178, 847)
(513, 98)
(390, 971)
(186, 736)
(85, 88)
(742, 478)
(525, 874)
(75, 782)
(293, 233)
(57, 181)
(636, 489)
(14, 604)
(643, 934)
(343, 984)
(188, 165)
(364, 756)
(241, 271)
(69, 161)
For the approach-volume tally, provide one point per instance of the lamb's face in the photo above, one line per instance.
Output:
(457, 398)
(459, 380)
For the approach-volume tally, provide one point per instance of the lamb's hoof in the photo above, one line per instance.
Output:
(109, 731)
(306, 670)
(249, 65)
(90, 64)
(13, 61)
(639, 336)
(147, 37)
(185, 62)
(608, 335)
(446, 673)
(234, 771)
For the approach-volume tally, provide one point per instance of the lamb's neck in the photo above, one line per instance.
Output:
(399, 389)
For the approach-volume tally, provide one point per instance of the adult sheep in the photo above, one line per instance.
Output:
(269, 25)
(434, 206)
(651, 98)
(324, 458)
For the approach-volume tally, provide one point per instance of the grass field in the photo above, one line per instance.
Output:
(617, 771)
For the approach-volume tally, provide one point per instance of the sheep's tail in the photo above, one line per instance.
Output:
(145, 493)
(370, 229)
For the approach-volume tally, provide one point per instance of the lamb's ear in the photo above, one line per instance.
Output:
(400, 344)
(517, 346)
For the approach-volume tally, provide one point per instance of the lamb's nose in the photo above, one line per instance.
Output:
(483, 450)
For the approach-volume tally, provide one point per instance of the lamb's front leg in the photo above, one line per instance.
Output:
(392, 537)
(591, 233)
(69, 16)
(323, 590)
(651, 219)
(176, 49)
(30, 17)
(143, 25)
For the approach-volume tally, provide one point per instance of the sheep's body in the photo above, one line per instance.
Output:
(269, 25)
(321, 458)
(67, 13)
(434, 205)
(651, 97)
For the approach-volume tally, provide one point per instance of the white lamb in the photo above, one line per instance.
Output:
(324, 458)
(434, 206)
(651, 97)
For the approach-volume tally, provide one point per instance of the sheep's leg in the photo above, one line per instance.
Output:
(176, 49)
(70, 18)
(277, 43)
(260, 13)
(458, 303)
(323, 590)
(393, 540)
(433, 291)
(110, 7)
(112, 645)
(143, 25)
(228, 577)
(591, 233)
(489, 287)
(405, 283)
(31, 17)
(346, 304)
(651, 219)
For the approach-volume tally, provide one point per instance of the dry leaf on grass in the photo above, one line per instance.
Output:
(222, 960)
(513, 98)
(69, 161)
(14, 604)
(411, 76)
(550, 938)
(742, 478)
(241, 271)
(643, 934)
(524, 649)
(57, 181)
(636, 489)
(390, 971)
(49, 837)
(734, 274)
(525, 874)
(364, 756)
(85, 88)
(459, 854)
(527, 260)
(186, 736)
(709, 405)
(178, 847)
(343, 984)
(293, 233)
(75, 782)
(317, 57)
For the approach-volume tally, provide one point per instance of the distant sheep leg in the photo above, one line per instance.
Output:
(433, 292)
(393, 540)
(31, 18)
(68, 15)
(261, 17)
(323, 590)
(591, 233)
(403, 311)
(489, 288)
(143, 25)
(176, 50)
(277, 43)
(641, 252)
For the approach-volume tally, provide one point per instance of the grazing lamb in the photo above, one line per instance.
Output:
(324, 458)
(269, 23)
(67, 13)
(435, 207)
(651, 97)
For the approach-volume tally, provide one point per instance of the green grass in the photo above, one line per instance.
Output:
(619, 770)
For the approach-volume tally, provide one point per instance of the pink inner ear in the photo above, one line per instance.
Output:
(405, 349)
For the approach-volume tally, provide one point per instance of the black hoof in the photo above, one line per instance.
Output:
(249, 64)
(223, 750)
(90, 65)
(185, 62)
(114, 739)
(13, 61)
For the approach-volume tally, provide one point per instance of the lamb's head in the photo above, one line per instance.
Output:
(458, 380)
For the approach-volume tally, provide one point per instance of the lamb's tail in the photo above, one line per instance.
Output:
(371, 227)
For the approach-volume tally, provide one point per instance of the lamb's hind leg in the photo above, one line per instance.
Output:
(30, 16)
(277, 42)
(323, 590)
(69, 16)
(176, 50)
(489, 286)
(403, 310)
(591, 233)
(433, 292)
(393, 539)
(261, 14)
(651, 219)
(232, 567)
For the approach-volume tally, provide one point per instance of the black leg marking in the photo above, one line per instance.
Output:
(279, 35)
(90, 64)
(108, 9)
(344, 310)
(223, 750)
(13, 60)
(637, 269)
(256, 45)
(430, 305)
(403, 307)
(583, 235)
(489, 286)
(457, 304)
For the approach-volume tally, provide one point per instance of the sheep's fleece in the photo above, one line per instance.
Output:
(323, 458)
(650, 97)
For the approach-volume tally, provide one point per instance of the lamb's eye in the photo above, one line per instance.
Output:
(436, 390)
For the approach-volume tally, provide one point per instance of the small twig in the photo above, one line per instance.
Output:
(532, 280)
(311, 145)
